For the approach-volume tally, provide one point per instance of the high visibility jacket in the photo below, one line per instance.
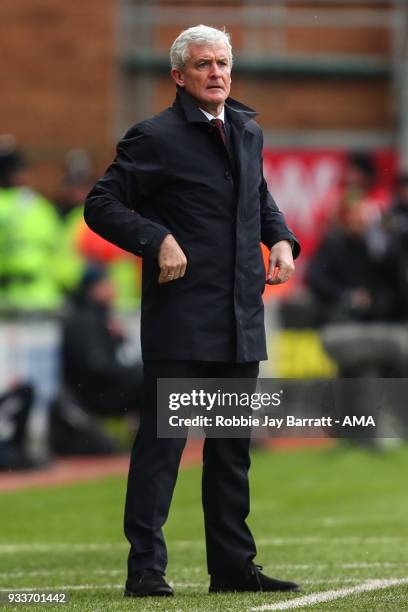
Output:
(29, 238)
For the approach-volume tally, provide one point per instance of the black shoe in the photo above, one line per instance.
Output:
(147, 582)
(249, 580)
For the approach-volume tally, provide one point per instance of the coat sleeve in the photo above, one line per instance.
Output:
(112, 207)
(273, 224)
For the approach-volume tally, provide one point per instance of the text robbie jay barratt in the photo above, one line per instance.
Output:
(267, 421)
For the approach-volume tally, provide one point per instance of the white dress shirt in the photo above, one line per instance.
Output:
(209, 116)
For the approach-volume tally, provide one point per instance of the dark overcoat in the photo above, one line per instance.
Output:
(173, 174)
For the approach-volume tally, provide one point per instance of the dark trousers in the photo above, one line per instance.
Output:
(153, 473)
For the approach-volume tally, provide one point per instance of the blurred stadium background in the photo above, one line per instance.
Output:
(330, 82)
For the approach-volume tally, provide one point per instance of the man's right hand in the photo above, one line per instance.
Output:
(172, 261)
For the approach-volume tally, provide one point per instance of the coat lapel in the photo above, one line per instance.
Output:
(238, 115)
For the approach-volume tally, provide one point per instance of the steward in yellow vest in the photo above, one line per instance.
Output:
(29, 239)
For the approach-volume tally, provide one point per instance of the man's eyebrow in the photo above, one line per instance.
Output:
(206, 58)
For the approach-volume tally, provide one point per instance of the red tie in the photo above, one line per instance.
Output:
(219, 124)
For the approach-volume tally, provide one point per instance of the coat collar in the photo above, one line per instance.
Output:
(238, 113)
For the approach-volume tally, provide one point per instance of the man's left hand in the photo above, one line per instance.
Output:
(281, 266)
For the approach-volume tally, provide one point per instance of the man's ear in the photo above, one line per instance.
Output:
(178, 77)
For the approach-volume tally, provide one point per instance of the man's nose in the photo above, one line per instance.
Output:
(215, 70)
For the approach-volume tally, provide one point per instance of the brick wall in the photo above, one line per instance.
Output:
(57, 69)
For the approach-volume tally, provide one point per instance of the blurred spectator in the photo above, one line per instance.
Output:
(80, 244)
(361, 183)
(15, 407)
(358, 182)
(29, 235)
(360, 179)
(354, 275)
(94, 377)
(69, 201)
(398, 214)
(396, 223)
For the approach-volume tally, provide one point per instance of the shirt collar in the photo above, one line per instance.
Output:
(236, 112)
(209, 116)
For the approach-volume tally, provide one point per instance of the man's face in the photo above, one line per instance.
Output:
(206, 75)
(103, 292)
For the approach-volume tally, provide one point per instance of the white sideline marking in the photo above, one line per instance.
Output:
(314, 566)
(122, 572)
(333, 521)
(289, 541)
(314, 598)
(331, 540)
(369, 565)
(59, 547)
(91, 546)
(46, 573)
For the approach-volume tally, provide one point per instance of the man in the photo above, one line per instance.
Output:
(355, 273)
(29, 238)
(91, 363)
(189, 197)
(95, 381)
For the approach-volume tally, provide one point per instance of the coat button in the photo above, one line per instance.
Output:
(227, 175)
(143, 241)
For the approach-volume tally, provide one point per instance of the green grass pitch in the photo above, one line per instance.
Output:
(331, 519)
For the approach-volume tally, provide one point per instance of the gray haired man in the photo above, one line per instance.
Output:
(186, 192)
